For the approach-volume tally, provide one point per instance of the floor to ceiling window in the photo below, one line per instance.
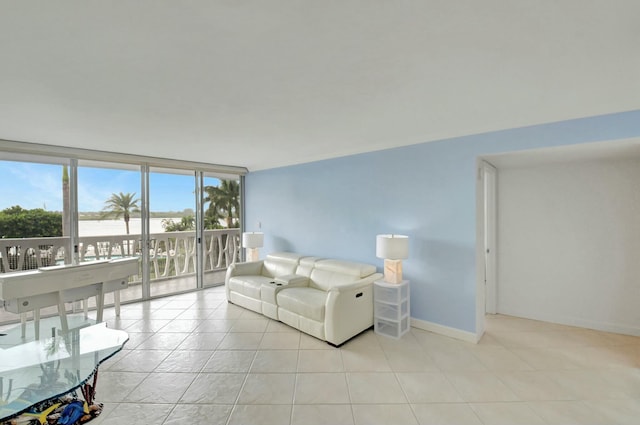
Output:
(181, 219)
(34, 214)
(221, 213)
(173, 254)
(110, 217)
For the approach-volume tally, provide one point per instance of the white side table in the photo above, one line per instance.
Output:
(391, 304)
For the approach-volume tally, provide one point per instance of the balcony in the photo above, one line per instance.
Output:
(172, 259)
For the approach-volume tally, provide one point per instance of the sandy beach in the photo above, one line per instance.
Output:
(117, 227)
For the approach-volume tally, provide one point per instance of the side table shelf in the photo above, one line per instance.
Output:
(391, 308)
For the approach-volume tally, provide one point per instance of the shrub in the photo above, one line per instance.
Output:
(17, 222)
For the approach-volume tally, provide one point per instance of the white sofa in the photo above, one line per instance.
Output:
(329, 299)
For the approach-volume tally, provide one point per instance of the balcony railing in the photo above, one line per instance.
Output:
(171, 254)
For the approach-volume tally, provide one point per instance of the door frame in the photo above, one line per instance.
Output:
(486, 242)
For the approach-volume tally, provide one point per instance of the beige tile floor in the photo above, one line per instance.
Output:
(194, 358)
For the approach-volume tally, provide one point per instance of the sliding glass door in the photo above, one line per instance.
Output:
(182, 220)
(35, 215)
(109, 217)
(221, 217)
(173, 254)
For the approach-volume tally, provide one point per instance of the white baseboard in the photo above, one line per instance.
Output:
(618, 328)
(444, 330)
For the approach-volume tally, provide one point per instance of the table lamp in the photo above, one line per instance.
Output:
(252, 241)
(393, 249)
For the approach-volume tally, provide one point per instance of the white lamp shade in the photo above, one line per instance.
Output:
(252, 239)
(392, 247)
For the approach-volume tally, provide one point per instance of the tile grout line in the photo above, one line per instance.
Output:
(244, 381)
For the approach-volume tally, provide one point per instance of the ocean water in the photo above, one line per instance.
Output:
(117, 227)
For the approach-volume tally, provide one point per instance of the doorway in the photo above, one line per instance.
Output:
(568, 231)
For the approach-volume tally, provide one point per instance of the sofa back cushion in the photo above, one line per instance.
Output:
(329, 273)
(306, 265)
(280, 263)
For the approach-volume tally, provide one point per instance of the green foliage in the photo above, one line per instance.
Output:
(224, 204)
(185, 224)
(16, 222)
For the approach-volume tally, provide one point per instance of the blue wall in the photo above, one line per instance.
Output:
(335, 208)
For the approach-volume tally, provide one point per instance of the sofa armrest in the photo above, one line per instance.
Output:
(243, 269)
(361, 283)
(252, 268)
(349, 309)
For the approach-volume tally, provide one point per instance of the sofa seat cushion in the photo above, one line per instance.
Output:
(248, 285)
(306, 302)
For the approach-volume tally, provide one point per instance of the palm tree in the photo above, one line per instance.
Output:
(212, 216)
(224, 202)
(121, 205)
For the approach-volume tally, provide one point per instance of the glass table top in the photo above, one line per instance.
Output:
(32, 371)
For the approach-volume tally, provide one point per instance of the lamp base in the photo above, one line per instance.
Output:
(393, 271)
(253, 254)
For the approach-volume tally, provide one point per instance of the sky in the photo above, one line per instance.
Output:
(35, 185)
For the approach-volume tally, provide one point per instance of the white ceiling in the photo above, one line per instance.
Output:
(265, 83)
